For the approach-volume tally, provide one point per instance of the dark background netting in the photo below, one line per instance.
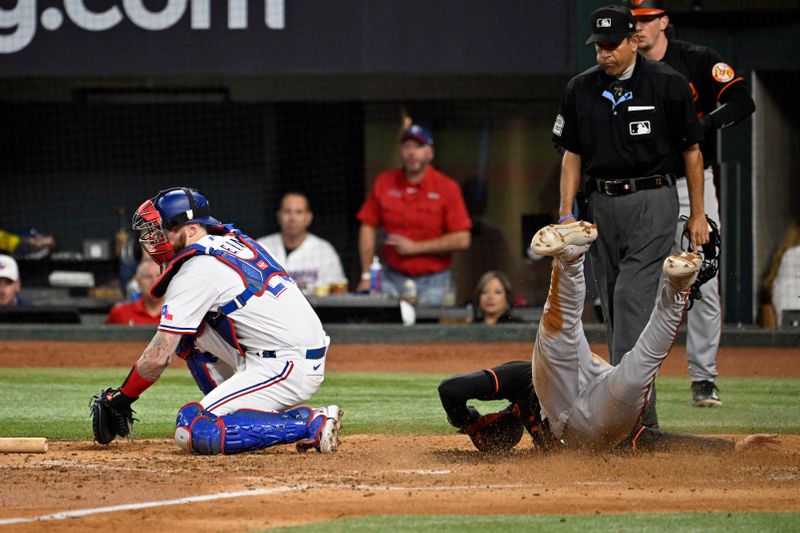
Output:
(68, 167)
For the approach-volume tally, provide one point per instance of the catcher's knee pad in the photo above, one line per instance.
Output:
(198, 430)
(242, 431)
(197, 363)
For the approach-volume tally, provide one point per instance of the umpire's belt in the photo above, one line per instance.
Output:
(313, 353)
(628, 186)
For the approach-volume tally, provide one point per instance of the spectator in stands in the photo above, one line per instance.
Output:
(782, 285)
(146, 310)
(32, 246)
(423, 214)
(493, 299)
(10, 284)
(308, 259)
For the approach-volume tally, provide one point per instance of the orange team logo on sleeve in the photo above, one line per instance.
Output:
(722, 72)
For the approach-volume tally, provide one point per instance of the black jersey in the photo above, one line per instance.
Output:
(629, 129)
(711, 80)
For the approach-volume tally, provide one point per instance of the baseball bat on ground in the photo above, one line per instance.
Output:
(23, 445)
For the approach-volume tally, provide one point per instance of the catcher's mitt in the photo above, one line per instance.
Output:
(109, 417)
(496, 432)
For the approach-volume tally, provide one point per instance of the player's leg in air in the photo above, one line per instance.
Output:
(620, 396)
(588, 402)
(561, 353)
(255, 406)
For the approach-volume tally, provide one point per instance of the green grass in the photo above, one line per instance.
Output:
(700, 522)
(53, 403)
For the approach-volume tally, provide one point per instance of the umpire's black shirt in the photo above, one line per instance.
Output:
(628, 129)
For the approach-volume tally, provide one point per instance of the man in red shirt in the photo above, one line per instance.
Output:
(145, 310)
(425, 219)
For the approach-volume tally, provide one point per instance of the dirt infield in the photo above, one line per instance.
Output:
(429, 357)
(377, 474)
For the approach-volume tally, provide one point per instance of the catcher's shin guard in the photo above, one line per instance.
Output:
(242, 431)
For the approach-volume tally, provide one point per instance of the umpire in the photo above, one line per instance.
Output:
(628, 128)
(712, 81)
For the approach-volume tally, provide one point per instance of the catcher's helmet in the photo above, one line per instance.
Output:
(645, 8)
(496, 432)
(711, 252)
(167, 210)
(181, 205)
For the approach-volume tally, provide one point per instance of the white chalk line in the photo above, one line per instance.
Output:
(144, 505)
(240, 494)
(423, 472)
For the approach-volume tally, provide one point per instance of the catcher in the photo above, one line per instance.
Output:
(251, 340)
(584, 402)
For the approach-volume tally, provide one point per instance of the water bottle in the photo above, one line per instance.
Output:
(375, 275)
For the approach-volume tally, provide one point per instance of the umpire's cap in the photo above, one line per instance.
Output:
(645, 8)
(611, 24)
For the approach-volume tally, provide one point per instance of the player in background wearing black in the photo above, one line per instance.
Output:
(721, 100)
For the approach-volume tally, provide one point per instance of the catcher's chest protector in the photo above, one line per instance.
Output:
(256, 272)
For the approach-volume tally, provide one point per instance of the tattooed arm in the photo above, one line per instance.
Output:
(158, 354)
(148, 368)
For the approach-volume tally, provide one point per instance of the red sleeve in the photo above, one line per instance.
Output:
(458, 218)
(370, 212)
(115, 315)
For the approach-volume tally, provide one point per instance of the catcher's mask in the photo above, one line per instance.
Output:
(710, 253)
(165, 211)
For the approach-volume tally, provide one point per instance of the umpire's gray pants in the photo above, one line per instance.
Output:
(634, 235)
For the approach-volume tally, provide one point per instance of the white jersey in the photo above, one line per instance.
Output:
(786, 289)
(314, 262)
(279, 319)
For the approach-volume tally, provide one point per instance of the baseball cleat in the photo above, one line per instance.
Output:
(682, 269)
(704, 394)
(565, 241)
(325, 425)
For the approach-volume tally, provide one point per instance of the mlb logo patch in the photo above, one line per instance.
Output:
(262, 264)
(639, 128)
(603, 23)
(165, 314)
(558, 127)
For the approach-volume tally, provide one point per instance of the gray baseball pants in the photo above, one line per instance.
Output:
(588, 402)
(704, 319)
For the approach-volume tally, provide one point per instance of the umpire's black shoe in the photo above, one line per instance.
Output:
(704, 394)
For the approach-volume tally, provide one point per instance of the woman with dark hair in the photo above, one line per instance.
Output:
(492, 300)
